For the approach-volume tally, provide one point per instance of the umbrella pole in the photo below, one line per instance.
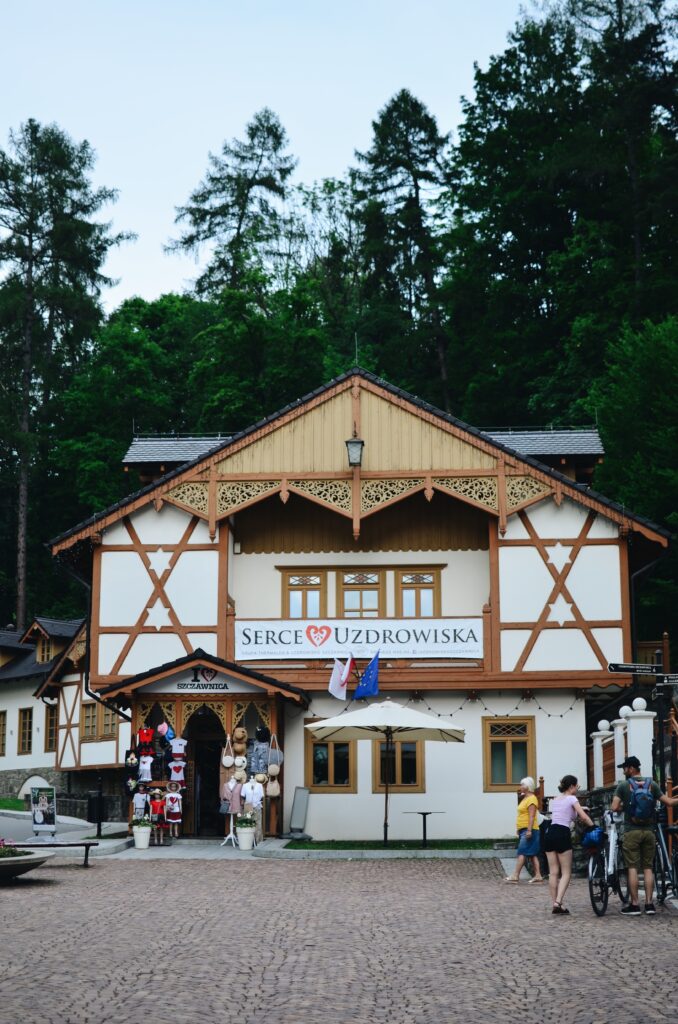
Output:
(386, 780)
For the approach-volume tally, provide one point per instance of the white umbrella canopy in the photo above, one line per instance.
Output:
(387, 721)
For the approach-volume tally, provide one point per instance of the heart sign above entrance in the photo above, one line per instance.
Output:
(318, 634)
(208, 674)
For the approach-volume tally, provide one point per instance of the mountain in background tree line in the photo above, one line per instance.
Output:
(524, 272)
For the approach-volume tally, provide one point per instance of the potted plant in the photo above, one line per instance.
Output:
(245, 826)
(141, 830)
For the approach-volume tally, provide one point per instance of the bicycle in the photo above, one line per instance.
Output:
(664, 868)
(607, 870)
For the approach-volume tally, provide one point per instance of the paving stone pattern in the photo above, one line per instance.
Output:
(312, 942)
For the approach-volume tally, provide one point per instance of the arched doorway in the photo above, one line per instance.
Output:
(206, 738)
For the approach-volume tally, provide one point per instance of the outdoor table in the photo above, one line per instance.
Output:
(424, 816)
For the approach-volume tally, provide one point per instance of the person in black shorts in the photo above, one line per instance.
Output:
(564, 809)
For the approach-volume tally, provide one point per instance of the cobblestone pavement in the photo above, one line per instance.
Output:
(312, 942)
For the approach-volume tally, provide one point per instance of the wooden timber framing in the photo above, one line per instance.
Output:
(301, 451)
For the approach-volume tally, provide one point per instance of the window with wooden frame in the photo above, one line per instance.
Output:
(304, 595)
(3, 733)
(25, 745)
(404, 767)
(51, 720)
(361, 595)
(417, 593)
(508, 753)
(108, 721)
(44, 650)
(330, 765)
(88, 721)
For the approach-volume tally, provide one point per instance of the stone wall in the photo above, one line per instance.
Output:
(73, 789)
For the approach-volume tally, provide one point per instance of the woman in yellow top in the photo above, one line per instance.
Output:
(528, 832)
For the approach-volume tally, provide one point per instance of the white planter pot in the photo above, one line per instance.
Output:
(246, 838)
(142, 837)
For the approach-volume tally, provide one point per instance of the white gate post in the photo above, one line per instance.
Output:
(604, 732)
(639, 735)
(619, 728)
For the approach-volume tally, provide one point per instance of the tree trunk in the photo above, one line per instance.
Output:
(24, 455)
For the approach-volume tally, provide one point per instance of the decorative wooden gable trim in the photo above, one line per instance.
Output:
(408, 447)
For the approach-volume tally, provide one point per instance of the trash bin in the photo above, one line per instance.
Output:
(96, 807)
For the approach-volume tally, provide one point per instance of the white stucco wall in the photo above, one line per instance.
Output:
(453, 772)
(256, 581)
(15, 696)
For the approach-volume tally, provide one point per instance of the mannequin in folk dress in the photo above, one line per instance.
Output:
(158, 816)
(253, 796)
(173, 808)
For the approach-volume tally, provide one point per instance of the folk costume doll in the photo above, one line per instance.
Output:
(173, 808)
(140, 802)
(157, 815)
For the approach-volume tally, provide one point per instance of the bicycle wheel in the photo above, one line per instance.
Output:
(621, 877)
(598, 888)
(674, 880)
(659, 877)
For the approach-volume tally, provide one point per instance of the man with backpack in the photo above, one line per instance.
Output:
(638, 796)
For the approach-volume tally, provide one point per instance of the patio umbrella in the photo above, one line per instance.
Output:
(387, 721)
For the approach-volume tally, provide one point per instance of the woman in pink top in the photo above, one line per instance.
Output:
(558, 845)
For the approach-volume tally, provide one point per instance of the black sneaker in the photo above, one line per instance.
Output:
(649, 908)
(631, 910)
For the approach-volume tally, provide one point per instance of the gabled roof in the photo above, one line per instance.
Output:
(61, 628)
(200, 658)
(577, 491)
(573, 441)
(172, 448)
(9, 638)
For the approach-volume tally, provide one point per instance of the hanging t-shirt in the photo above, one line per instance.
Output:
(145, 735)
(178, 746)
(145, 763)
(176, 771)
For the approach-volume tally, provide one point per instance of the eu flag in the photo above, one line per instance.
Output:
(369, 684)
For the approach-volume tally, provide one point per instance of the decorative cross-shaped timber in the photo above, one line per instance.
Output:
(559, 588)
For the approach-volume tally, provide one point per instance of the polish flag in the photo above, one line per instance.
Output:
(340, 677)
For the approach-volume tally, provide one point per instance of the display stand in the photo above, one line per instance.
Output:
(231, 834)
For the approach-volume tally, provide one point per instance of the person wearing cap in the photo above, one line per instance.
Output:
(639, 839)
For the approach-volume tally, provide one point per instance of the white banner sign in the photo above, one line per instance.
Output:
(337, 638)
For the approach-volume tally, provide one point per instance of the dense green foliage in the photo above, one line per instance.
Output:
(522, 272)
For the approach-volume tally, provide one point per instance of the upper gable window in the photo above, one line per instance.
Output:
(361, 595)
(418, 593)
(44, 650)
(304, 595)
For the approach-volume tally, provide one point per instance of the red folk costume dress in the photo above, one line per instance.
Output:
(158, 812)
(146, 741)
(173, 812)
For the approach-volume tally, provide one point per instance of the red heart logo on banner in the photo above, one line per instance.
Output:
(318, 634)
(208, 674)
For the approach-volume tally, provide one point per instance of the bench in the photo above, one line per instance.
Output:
(58, 846)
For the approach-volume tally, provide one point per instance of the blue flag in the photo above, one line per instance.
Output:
(369, 684)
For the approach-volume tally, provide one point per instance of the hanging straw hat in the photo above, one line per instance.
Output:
(240, 733)
(260, 777)
(239, 748)
(240, 775)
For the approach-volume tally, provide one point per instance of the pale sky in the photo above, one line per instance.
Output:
(154, 86)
